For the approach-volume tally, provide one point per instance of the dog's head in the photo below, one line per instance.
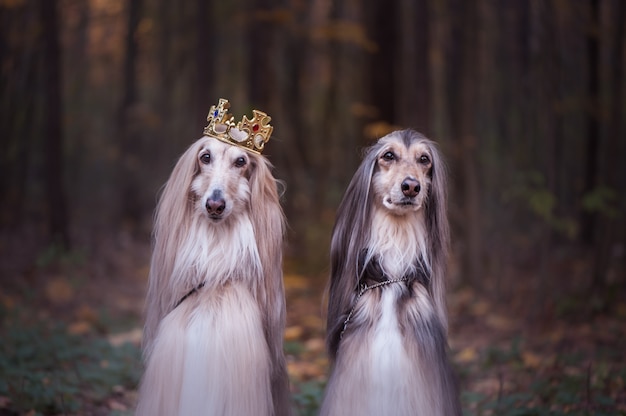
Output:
(221, 184)
(403, 173)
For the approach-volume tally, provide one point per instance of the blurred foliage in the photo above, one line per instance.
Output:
(525, 383)
(602, 200)
(531, 191)
(46, 369)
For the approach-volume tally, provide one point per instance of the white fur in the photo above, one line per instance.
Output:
(400, 242)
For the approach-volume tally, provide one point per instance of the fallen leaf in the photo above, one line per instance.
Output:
(59, 290)
(7, 301)
(312, 321)
(293, 333)
(499, 322)
(87, 313)
(466, 355)
(531, 360)
(295, 282)
(479, 308)
(315, 345)
(79, 328)
(115, 405)
(133, 337)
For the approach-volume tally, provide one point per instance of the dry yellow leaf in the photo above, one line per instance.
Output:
(59, 290)
(295, 281)
(7, 301)
(118, 406)
(499, 322)
(79, 328)
(133, 337)
(86, 313)
(315, 345)
(531, 360)
(466, 355)
(480, 308)
(312, 321)
(293, 333)
(557, 335)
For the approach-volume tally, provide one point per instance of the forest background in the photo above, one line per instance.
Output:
(98, 98)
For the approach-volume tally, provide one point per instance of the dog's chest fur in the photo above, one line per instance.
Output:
(390, 367)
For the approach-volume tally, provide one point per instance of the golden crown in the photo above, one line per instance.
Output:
(251, 134)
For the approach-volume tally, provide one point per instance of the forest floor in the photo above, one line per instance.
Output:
(71, 329)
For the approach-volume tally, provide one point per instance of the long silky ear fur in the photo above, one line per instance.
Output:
(348, 237)
(438, 230)
(268, 222)
(174, 207)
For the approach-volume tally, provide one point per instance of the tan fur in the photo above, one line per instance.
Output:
(226, 337)
(390, 357)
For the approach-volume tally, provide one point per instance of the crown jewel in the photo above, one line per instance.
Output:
(251, 134)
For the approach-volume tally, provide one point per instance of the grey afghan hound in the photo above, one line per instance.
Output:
(387, 321)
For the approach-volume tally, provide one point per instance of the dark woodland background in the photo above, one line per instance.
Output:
(525, 98)
(98, 98)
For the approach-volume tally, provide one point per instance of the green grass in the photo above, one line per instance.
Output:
(46, 369)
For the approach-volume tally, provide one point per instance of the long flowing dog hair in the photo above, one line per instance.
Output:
(370, 373)
(215, 308)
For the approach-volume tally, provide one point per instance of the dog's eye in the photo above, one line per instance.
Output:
(240, 162)
(389, 156)
(424, 160)
(205, 158)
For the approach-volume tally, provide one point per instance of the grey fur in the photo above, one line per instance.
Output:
(423, 326)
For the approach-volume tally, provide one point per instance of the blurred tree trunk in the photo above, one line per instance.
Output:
(462, 95)
(260, 81)
(609, 224)
(205, 73)
(382, 19)
(341, 118)
(17, 115)
(289, 152)
(129, 140)
(592, 140)
(412, 74)
(53, 137)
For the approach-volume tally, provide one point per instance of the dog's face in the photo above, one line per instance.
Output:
(402, 177)
(221, 186)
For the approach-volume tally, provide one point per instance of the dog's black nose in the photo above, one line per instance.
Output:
(215, 204)
(410, 187)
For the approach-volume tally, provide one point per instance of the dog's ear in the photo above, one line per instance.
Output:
(438, 228)
(348, 239)
(172, 219)
(268, 222)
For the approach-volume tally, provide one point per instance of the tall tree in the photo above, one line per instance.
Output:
(592, 138)
(129, 144)
(205, 72)
(462, 94)
(412, 65)
(53, 104)
(382, 20)
(609, 224)
(259, 43)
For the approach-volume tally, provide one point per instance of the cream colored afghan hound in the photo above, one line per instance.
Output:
(386, 323)
(215, 303)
